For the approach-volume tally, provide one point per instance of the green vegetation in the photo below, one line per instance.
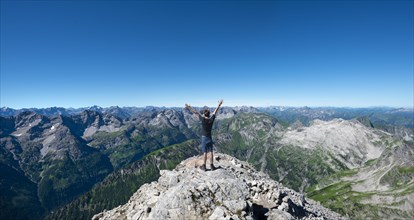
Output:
(66, 178)
(341, 198)
(336, 193)
(292, 165)
(16, 192)
(406, 170)
(118, 163)
(118, 187)
(236, 147)
(334, 178)
(408, 190)
(370, 162)
(295, 167)
(122, 149)
(102, 139)
(389, 142)
(398, 176)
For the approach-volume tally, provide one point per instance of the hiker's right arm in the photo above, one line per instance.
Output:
(191, 109)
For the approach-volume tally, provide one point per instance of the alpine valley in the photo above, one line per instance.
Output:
(59, 163)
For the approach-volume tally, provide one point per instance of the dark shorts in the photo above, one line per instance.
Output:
(206, 144)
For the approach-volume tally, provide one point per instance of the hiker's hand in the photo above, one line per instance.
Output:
(221, 101)
(187, 105)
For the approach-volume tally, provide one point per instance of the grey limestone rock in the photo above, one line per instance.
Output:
(230, 192)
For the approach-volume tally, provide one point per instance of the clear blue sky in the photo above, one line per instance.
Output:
(162, 53)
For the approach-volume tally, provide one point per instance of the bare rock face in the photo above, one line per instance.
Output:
(345, 139)
(233, 191)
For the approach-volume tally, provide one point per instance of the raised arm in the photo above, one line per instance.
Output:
(187, 106)
(216, 110)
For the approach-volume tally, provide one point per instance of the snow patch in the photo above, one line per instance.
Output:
(54, 126)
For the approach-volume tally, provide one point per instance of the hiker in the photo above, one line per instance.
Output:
(206, 140)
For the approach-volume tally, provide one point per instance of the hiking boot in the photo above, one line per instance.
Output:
(212, 167)
(203, 167)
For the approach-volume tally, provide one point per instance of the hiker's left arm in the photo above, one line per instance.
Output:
(216, 110)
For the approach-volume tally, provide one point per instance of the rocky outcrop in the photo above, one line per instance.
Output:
(233, 191)
(350, 142)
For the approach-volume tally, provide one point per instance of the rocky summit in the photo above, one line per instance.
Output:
(235, 190)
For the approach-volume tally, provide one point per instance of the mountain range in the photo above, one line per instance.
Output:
(74, 163)
(377, 115)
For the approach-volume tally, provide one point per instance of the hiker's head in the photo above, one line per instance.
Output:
(207, 112)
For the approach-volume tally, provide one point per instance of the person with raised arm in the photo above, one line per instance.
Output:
(206, 139)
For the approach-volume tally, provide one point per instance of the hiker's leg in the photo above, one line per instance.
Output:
(211, 157)
(204, 149)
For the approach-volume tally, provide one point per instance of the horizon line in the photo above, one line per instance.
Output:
(264, 106)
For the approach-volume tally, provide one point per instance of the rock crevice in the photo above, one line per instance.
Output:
(234, 191)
